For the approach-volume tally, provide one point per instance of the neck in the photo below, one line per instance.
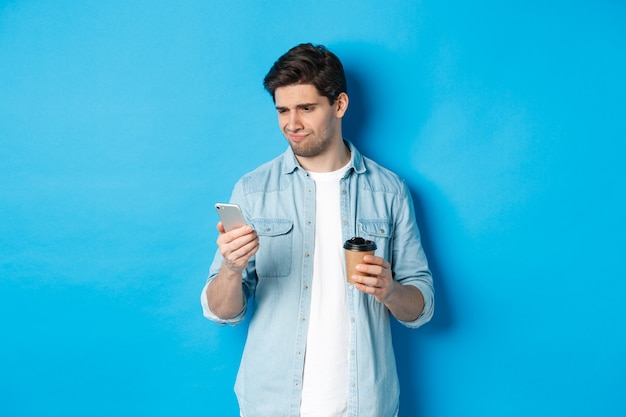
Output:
(335, 157)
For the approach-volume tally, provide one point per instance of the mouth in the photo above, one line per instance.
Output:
(299, 137)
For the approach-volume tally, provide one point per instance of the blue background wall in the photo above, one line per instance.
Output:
(121, 123)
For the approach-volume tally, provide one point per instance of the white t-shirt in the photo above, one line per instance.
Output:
(326, 366)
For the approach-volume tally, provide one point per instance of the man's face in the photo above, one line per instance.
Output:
(307, 119)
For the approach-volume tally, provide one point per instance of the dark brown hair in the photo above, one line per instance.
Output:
(308, 64)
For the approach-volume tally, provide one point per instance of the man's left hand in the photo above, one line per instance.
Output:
(379, 281)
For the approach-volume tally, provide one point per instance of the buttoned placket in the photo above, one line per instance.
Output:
(348, 230)
(308, 242)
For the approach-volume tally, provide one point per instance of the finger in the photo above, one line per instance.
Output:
(247, 233)
(374, 291)
(370, 269)
(364, 288)
(249, 249)
(243, 249)
(368, 281)
(376, 260)
(241, 231)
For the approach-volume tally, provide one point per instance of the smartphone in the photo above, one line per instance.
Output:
(230, 215)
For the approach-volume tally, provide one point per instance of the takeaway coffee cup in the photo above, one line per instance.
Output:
(356, 248)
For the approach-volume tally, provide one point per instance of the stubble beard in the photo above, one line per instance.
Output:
(309, 149)
(312, 146)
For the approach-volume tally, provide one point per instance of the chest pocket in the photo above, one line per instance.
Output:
(273, 258)
(377, 230)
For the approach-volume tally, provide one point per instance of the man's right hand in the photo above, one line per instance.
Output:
(237, 246)
(224, 293)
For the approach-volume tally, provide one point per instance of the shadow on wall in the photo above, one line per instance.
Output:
(356, 125)
(355, 122)
(410, 357)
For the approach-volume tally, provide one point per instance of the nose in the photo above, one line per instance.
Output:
(293, 122)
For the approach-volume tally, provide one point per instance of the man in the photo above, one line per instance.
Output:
(318, 345)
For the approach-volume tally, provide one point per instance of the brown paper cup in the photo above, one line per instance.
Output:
(355, 249)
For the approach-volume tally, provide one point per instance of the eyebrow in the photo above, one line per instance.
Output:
(298, 106)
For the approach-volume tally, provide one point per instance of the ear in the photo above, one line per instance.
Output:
(341, 104)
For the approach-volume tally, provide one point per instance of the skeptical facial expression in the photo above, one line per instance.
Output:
(308, 120)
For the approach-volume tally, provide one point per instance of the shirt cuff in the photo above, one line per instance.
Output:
(429, 305)
(206, 311)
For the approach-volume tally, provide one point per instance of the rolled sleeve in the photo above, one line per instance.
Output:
(411, 264)
(206, 311)
(426, 289)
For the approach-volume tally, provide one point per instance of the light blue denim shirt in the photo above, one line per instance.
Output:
(278, 199)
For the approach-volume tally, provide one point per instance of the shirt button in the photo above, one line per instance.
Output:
(345, 222)
(344, 192)
(306, 255)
